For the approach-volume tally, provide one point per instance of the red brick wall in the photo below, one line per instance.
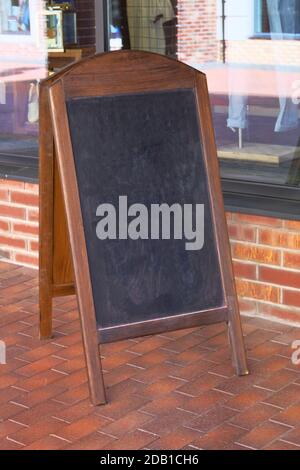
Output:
(19, 222)
(197, 31)
(266, 251)
(266, 254)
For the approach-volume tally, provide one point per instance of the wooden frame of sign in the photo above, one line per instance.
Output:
(106, 75)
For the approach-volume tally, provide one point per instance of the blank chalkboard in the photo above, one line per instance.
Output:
(145, 146)
(137, 125)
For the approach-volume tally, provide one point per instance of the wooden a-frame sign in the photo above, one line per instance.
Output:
(139, 124)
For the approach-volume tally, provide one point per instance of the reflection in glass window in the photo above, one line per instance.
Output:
(146, 22)
(23, 59)
(250, 51)
(14, 17)
(143, 25)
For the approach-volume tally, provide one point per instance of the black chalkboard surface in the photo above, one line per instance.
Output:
(137, 126)
(145, 146)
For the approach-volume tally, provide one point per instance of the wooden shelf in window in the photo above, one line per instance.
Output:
(262, 153)
(58, 60)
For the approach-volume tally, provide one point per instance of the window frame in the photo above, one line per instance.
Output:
(261, 198)
(259, 34)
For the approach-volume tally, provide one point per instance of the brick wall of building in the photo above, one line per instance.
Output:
(199, 41)
(197, 31)
(19, 222)
(266, 252)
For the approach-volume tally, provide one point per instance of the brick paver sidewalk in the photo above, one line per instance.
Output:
(171, 391)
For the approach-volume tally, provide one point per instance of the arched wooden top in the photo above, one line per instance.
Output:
(111, 73)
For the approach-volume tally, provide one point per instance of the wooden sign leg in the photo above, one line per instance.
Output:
(83, 284)
(56, 277)
(95, 374)
(45, 312)
(45, 218)
(46, 262)
(239, 359)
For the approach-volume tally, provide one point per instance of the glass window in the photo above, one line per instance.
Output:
(23, 60)
(37, 38)
(250, 51)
